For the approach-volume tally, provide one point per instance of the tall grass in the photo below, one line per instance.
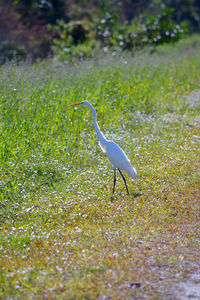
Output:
(57, 218)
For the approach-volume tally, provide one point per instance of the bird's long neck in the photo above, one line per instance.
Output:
(100, 135)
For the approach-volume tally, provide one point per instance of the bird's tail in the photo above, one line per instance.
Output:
(133, 173)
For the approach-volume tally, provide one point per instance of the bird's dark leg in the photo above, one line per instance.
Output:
(114, 180)
(124, 181)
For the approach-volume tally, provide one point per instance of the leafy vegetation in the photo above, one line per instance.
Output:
(80, 39)
(42, 28)
(62, 234)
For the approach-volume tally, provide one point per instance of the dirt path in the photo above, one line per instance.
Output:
(190, 289)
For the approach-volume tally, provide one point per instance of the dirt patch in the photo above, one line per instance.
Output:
(190, 289)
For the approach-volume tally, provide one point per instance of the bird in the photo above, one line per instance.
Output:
(115, 154)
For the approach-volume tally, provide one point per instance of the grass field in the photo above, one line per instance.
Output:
(62, 235)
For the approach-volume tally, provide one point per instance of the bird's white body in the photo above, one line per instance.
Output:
(119, 160)
(115, 154)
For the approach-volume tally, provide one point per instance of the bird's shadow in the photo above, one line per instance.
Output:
(113, 198)
(131, 195)
(135, 195)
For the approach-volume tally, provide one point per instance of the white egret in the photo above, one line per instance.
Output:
(115, 154)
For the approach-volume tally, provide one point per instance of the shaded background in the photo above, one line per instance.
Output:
(42, 28)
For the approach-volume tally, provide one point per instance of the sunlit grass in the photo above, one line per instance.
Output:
(62, 234)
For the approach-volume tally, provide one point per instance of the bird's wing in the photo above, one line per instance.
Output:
(116, 155)
(119, 159)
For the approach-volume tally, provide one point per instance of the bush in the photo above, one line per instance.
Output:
(83, 38)
(73, 39)
(160, 29)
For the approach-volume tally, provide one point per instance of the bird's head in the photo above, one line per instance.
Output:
(82, 103)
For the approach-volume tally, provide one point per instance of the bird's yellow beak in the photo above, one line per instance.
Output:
(76, 103)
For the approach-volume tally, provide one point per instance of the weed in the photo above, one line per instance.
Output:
(61, 233)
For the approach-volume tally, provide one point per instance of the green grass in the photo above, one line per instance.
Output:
(62, 235)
